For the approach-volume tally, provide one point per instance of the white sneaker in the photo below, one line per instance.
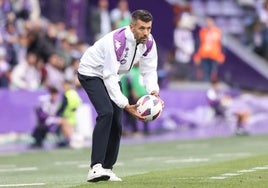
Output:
(97, 173)
(113, 176)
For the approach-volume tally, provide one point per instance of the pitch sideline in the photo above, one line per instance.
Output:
(239, 172)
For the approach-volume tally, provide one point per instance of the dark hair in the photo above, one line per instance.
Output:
(52, 90)
(66, 81)
(215, 81)
(142, 15)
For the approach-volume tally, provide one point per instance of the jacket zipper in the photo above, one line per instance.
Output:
(133, 56)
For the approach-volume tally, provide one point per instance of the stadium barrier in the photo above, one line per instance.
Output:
(18, 115)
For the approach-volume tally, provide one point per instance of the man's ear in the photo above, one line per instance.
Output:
(131, 26)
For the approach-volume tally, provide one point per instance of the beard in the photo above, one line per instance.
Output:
(142, 40)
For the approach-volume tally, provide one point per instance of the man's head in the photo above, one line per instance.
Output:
(141, 25)
(210, 22)
(53, 93)
(67, 85)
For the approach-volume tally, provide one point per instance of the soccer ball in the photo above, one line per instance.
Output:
(149, 107)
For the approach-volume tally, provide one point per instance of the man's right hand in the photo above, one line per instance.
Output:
(132, 109)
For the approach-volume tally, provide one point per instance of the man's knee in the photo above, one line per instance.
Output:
(106, 113)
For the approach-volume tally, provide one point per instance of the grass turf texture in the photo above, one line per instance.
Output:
(239, 161)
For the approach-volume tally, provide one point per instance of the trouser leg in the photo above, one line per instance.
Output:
(101, 101)
(114, 138)
(39, 134)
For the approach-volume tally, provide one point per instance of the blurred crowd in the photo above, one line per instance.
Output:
(256, 35)
(192, 36)
(37, 52)
(40, 49)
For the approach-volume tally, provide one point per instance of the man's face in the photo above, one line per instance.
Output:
(141, 30)
(54, 97)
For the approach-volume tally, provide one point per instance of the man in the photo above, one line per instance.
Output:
(67, 112)
(209, 54)
(99, 72)
(46, 117)
(100, 21)
(226, 106)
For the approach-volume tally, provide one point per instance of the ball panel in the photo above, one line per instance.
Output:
(149, 107)
(156, 115)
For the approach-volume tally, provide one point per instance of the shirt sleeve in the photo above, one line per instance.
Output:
(111, 77)
(148, 68)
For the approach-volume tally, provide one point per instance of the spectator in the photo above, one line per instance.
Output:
(64, 51)
(256, 39)
(25, 74)
(4, 69)
(100, 21)
(55, 72)
(4, 10)
(11, 39)
(42, 42)
(72, 36)
(218, 99)
(262, 12)
(184, 46)
(57, 115)
(67, 111)
(209, 54)
(120, 15)
(22, 47)
(61, 30)
(47, 121)
(225, 107)
(78, 49)
(34, 9)
(71, 73)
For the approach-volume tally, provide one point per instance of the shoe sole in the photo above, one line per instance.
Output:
(101, 178)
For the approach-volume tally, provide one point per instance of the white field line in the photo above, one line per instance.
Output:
(188, 160)
(241, 154)
(153, 158)
(83, 166)
(261, 168)
(245, 171)
(79, 164)
(22, 185)
(217, 177)
(191, 159)
(189, 178)
(65, 163)
(230, 174)
(19, 169)
(239, 172)
(172, 159)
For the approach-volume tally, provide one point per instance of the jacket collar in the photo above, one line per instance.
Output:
(130, 35)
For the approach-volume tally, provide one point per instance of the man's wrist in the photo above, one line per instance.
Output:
(155, 93)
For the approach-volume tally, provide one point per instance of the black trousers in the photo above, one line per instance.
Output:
(39, 134)
(108, 128)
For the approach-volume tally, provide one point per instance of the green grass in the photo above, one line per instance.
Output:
(240, 161)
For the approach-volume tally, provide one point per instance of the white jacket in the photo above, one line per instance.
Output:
(103, 60)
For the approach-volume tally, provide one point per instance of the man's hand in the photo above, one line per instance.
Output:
(132, 109)
(156, 94)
